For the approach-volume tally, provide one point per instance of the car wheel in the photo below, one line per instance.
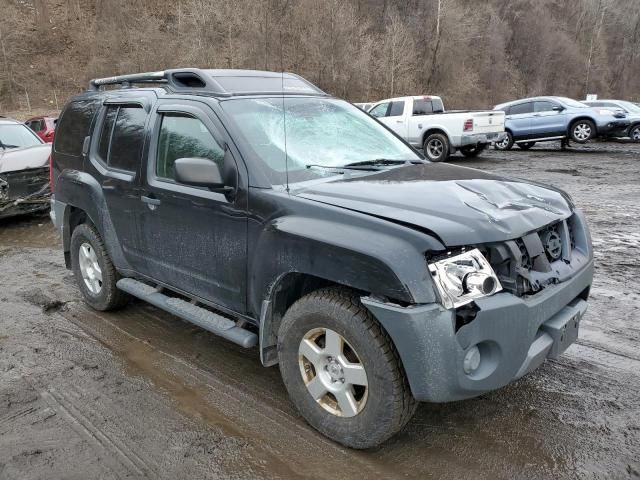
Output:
(582, 131)
(341, 369)
(473, 150)
(94, 272)
(504, 144)
(526, 145)
(436, 147)
(634, 132)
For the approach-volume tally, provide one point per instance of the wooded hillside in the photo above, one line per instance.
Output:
(475, 53)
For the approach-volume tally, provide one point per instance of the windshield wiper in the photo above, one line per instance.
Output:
(342, 167)
(381, 162)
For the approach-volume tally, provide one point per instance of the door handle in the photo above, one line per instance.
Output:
(399, 121)
(152, 203)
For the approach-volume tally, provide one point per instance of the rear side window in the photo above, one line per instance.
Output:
(122, 137)
(396, 110)
(422, 107)
(521, 108)
(182, 136)
(74, 126)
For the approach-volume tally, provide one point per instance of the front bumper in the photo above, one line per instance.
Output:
(515, 335)
(614, 128)
(480, 138)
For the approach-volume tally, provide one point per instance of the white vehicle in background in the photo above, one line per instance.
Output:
(423, 122)
(364, 106)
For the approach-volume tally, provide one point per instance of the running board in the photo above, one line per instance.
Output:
(202, 317)
(543, 139)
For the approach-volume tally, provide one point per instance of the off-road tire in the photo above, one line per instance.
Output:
(109, 297)
(472, 151)
(525, 145)
(389, 404)
(504, 145)
(574, 125)
(436, 139)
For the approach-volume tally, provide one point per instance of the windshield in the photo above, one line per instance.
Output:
(569, 102)
(630, 106)
(320, 133)
(16, 135)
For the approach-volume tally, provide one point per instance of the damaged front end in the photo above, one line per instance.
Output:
(24, 191)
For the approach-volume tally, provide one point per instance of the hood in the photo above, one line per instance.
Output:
(461, 206)
(15, 159)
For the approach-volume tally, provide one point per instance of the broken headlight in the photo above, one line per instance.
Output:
(462, 278)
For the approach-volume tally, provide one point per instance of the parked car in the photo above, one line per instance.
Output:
(541, 119)
(364, 106)
(24, 170)
(374, 278)
(423, 122)
(43, 126)
(631, 110)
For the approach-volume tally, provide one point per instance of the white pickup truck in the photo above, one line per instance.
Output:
(423, 122)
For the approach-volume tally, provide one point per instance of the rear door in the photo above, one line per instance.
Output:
(518, 119)
(115, 158)
(547, 122)
(192, 239)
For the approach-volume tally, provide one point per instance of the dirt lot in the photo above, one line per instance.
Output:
(139, 393)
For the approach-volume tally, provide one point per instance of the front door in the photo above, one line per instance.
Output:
(192, 239)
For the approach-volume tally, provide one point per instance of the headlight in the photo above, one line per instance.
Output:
(463, 278)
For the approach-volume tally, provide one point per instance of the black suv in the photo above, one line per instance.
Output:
(258, 207)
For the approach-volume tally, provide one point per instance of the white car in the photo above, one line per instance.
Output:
(364, 106)
(423, 122)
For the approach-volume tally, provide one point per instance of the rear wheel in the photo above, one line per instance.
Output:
(582, 131)
(504, 144)
(341, 369)
(473, 150)
(436, 147)
(95, 274)
(634, 132)
(526, 145)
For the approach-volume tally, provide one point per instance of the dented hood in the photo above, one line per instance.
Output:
(460, 205)
(26, 158)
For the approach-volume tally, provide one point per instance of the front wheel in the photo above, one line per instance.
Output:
(473, 150)
(505, 144)
(436, 147)
(341, 369)
(526, 145)
(582, 131)
(634, 132)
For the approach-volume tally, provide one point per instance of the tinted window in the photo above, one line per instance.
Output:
(543, 106)
(422, 107)
(127, 139)
(521, 108)
(438, 107)
(182, 137)
(105, 134)
(380, 110)
(397, 108)
(74, 126)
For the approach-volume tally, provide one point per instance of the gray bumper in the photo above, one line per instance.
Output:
(481, 138)
(514, 336)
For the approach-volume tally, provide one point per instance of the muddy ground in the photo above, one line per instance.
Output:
(141, 394)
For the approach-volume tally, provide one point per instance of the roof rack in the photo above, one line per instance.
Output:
(224, 83)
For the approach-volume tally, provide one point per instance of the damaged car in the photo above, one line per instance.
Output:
(24, 170)
(258, 207)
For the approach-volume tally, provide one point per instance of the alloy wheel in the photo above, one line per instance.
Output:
(435, 148)
(582, 131)
(90, 268)
(332, 372)
(635, 134)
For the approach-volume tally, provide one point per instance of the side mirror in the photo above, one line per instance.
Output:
(200, 172)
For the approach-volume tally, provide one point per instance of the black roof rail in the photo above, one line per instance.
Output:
(148, 77)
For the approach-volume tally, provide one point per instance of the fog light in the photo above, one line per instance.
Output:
(471, 360)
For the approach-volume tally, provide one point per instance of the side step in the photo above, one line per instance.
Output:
(206, 319)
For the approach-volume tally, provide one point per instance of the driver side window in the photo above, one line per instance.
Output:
(183, 136)
(379, 110)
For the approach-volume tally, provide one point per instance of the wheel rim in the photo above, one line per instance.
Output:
(90, 268)
(332, 372)
(635, 133)
(435, 148)
(504, 143)
(582, 131)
